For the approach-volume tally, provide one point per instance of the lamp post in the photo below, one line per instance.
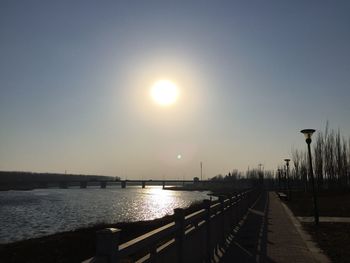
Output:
(308, 133)
(261, 175)
(287, 175)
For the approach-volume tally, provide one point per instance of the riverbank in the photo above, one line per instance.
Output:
(71, 246)
(77, 245)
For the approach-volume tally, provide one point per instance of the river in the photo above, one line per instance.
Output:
(40, 212)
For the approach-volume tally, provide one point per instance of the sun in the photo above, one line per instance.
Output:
(164, 92)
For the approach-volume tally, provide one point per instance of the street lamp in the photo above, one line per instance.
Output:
(279, 179)
(308, 133)
(261, 174)
(287, 174)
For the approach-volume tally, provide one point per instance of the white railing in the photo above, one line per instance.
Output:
(195, 237)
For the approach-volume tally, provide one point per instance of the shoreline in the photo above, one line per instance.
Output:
(71, 246)
(79, 244)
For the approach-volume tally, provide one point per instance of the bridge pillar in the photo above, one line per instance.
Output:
(143, 184)
(63, 185)
(163, 184)
(43, 185)
(83, 184)
(103, 184)
(123, 184)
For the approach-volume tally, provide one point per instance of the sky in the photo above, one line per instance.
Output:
(75, 78)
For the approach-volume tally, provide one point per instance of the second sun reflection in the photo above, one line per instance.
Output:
(158, 202)
(154, 202)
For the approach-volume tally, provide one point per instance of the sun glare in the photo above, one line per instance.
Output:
(164, 92)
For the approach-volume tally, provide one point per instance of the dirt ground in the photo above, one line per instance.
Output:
(332, 238)
(331, 203)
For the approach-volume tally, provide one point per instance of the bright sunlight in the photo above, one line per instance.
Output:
(164, 92)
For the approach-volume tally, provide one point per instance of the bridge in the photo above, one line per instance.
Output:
(64, 184)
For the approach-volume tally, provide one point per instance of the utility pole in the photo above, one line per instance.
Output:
(201, 171)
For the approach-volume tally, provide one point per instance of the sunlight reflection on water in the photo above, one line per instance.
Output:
(26, 214)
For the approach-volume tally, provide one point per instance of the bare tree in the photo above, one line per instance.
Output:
(331, 161)
(318, 159)
(345, 155)
(330, 158)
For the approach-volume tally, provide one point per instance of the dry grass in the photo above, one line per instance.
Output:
(331, 203)
(333, 239)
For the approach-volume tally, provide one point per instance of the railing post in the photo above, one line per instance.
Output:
(207, 204)
(107, 244)
(232, 216)
(234, 210)
(247, 203)
(222, 209)
(249, 198)
(179, 214)
(252, 197)
(238, 209)
(244, 205)
(153, 254)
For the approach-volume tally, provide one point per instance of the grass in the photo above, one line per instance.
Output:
(333, 239)
(331, 203)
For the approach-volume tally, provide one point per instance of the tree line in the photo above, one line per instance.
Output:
(21, 177)
(330, 159)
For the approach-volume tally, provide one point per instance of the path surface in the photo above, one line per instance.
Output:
(269, 234)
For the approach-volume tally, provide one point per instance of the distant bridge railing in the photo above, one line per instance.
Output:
(196, 237)
(101, 183)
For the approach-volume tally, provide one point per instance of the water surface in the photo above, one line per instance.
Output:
(27, 214)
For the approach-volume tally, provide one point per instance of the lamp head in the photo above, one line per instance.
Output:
(308, 134)
(287, 161)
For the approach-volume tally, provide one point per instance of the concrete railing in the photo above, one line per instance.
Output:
(195, 237)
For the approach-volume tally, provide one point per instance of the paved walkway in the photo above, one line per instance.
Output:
(269, 233)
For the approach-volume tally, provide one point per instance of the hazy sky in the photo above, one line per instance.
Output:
(75, 79)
